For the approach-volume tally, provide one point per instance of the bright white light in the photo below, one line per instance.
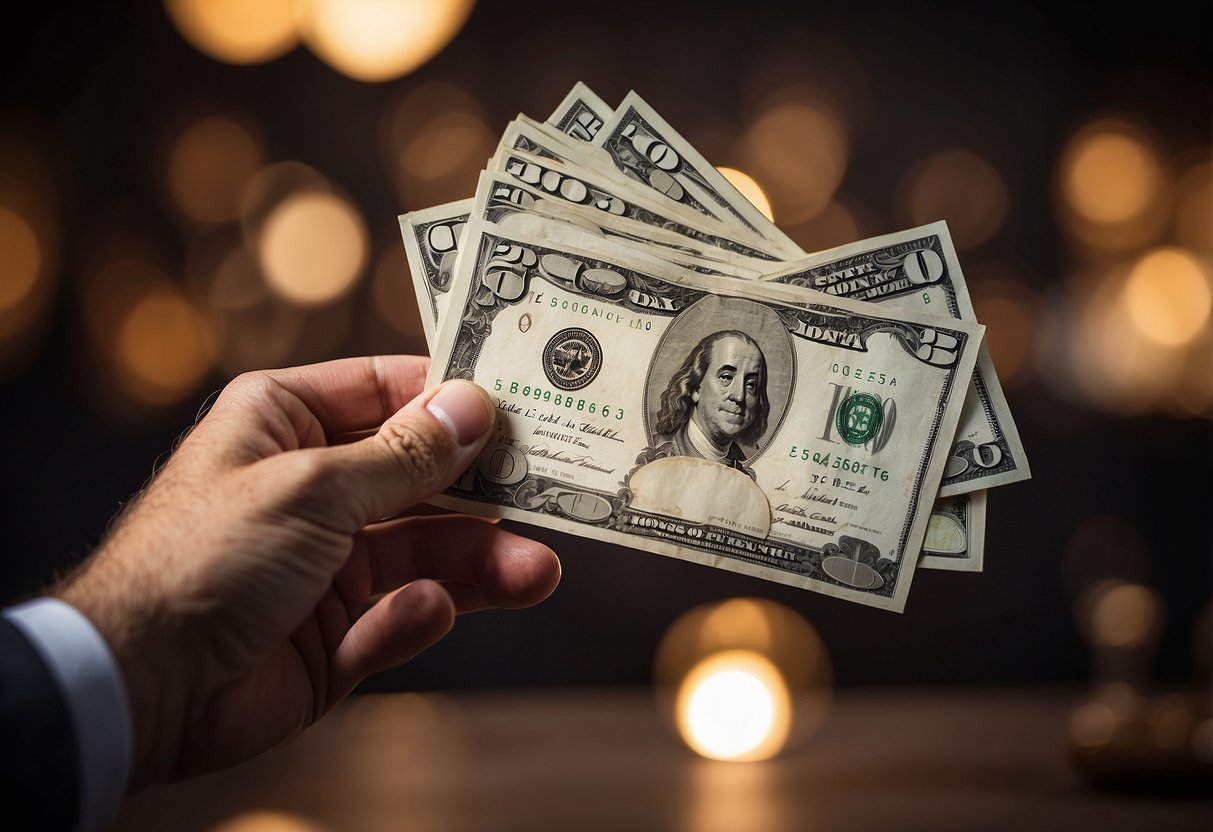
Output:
(734, 706)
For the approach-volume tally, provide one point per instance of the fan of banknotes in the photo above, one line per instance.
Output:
(672, 373)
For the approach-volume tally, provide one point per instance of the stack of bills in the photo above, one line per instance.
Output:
(672, 373)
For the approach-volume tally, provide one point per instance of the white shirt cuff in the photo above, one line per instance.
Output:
(93, 690)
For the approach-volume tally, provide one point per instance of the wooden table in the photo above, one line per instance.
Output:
(606, 760)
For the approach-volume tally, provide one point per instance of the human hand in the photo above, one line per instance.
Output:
(240, 592)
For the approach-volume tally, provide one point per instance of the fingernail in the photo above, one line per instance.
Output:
(461, 408)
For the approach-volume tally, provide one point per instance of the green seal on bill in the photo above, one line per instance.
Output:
(858, 418)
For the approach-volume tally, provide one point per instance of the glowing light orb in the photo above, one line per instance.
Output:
(163, 349)
(209, 165)
(238, 31)
(1112, 174)
(1168, 296)
(312, 248)
(734, 706)
(377, 40)
(20, 259)
(961, 187)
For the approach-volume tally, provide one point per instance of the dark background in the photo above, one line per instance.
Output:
(93, 84)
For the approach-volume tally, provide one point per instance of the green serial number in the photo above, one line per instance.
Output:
(567, 400)
(839, 463)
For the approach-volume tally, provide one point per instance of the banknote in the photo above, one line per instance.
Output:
(956, 529)
(956, 534)
(504, 200)
(918, 268)
(703, 425)
(611, 195)
(581, 114)
(431, 244)
(644, 146)
(541, 141)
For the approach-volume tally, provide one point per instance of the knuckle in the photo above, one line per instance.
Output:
(415, 452)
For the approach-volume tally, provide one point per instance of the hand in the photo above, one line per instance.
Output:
(251, 586)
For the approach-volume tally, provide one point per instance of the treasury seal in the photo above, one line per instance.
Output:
(572, 358)
(858, 418)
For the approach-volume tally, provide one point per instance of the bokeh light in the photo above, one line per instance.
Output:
(840, 222)
(269, 186)
(1194, 207)
(267, 820)
(959, 186)
(1093, 725)
(151, 345)
(739, 627)
(29, 249)
(435, 142)
(1168, 296)
(798, 147)
(377, 40)
(1103, 547)
(750, 189)
(394, 297)
(1112, 189)
(312, 247)
(239, 31)
(1110, 363)
(1008, 307)
(209, 164)
(734, 705)
(20, 260)
(1120, 615)
(163, 349)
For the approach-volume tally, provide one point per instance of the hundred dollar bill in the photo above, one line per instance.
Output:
(642, 411)
(644, 146)
(956, 534)
(918, 269)
(581, 114)
(956, 529)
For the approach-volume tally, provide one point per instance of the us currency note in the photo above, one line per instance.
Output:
(918, 268)
(644, 146)
(729, 470)
(956, 529)
(589, 188)
(431, 236)
(540, 141)
(581, 114)
(504, 200)
(431, 244)
(956, 534)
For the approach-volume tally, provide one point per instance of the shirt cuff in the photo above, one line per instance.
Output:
(93, 690)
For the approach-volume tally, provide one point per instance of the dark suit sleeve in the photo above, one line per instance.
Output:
(39, 765)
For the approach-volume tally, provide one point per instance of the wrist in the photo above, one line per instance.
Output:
(128, 620)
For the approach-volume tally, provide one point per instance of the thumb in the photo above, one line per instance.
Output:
(420, 450)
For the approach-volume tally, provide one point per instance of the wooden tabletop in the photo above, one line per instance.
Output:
(607, 760)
